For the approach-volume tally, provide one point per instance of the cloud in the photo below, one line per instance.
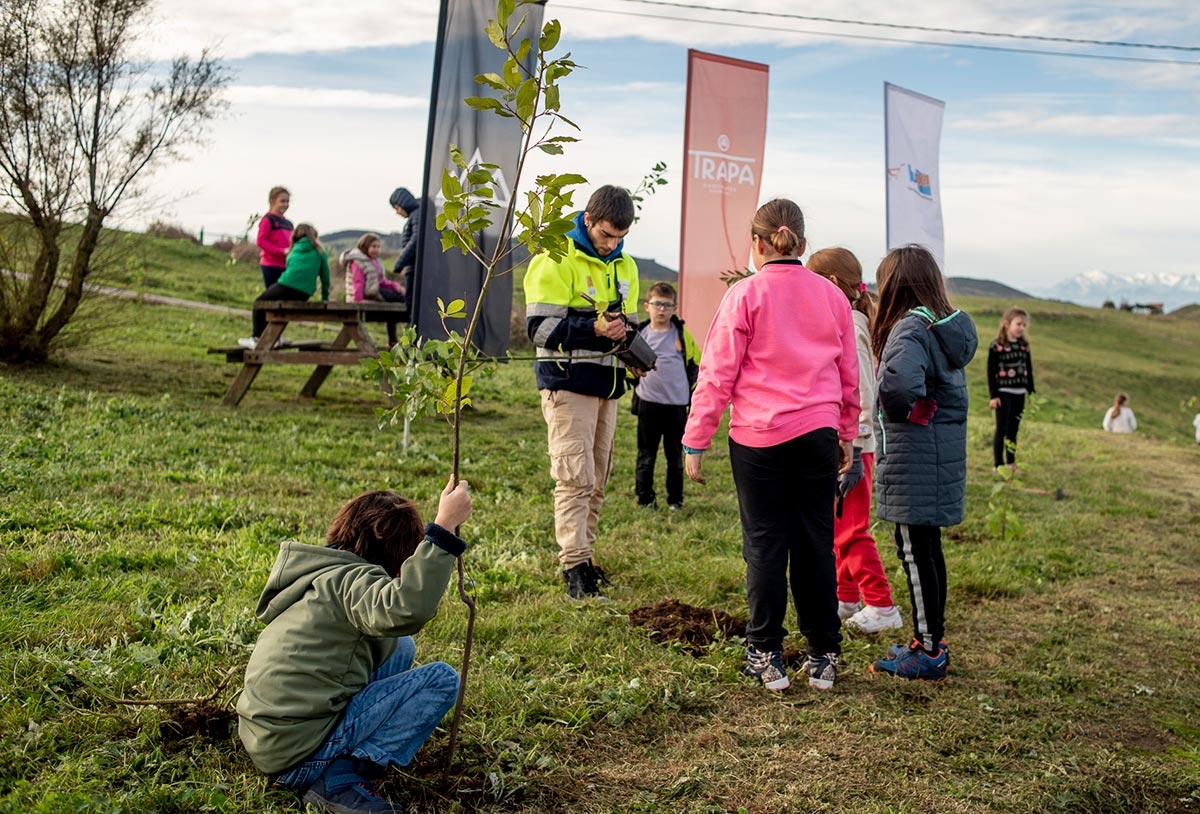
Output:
(1091, 126)
(238, 29)
(323, 98)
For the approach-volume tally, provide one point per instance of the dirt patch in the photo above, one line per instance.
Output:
(695, 628)
(208, 721)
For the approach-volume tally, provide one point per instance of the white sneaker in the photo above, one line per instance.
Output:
(873, 620)
(848, 609)
(248, 343)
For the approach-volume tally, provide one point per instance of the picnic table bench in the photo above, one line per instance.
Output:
(351, 345)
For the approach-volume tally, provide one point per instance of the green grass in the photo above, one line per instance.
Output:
(139, 518)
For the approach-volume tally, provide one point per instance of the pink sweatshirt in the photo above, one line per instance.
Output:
(781, 349)
(274, 240)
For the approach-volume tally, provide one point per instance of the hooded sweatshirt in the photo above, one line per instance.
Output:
(921, 419)
(306, 265)
(332, 618)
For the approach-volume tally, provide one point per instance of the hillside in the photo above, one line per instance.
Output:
(141, 517)
(967, 286)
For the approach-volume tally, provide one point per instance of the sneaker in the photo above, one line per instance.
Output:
(248, 342)
(583, 582)
(822, 670)
(767, 667)
(897, 649)
(650, 507)
(913, 662)
(873, 619)
(848, 609)
(674, 506)
(342, 789)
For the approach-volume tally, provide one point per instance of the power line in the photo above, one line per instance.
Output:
(930, 29)
(868, 37)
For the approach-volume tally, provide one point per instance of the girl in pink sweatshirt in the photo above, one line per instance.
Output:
(274, 236)
(781, 351)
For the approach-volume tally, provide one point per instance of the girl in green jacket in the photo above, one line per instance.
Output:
(306, 264)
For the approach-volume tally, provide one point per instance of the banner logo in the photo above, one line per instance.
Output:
(500, 189)
(720, 168)
(918, 181)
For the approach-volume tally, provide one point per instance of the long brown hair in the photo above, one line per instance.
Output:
(366, 240)
(907, 277)
(1009, 316)
(846, 271)
(380, 526)
(781, 224)
(306, 230)
(1118, 403)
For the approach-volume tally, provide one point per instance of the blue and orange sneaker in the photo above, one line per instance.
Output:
(913, 662)
(897, 649)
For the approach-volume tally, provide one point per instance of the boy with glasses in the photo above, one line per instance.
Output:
(662, 396)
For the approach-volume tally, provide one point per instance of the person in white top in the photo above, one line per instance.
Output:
(1119, 418)
(1196, 424)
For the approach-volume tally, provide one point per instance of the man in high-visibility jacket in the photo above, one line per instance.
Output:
(578, 375)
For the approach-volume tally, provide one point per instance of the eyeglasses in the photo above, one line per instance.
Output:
(660, 304)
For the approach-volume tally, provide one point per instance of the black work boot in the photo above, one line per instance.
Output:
(583, 582)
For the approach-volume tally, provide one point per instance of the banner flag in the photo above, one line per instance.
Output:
(463, 52)
(912, 132)
(724, 135)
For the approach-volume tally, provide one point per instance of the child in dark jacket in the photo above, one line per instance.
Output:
(331, 698)
(1010, 379)
(662, 396)
(923, 346)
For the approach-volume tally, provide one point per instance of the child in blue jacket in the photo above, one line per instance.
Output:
(923, 345)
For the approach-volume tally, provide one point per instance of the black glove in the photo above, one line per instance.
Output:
(850, 478)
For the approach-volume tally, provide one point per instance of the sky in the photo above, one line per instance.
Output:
(1050, 166)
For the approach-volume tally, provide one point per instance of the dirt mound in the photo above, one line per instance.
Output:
(209, 721)
(695, 628)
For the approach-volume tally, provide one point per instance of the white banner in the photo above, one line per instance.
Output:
(912, 133)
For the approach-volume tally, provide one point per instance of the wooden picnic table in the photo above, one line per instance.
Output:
(351, 345)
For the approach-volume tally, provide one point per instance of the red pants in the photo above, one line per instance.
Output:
(860, 572)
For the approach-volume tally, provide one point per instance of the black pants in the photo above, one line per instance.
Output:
(391, 295)
(785, 495)
(1008, 421)
(278, 291)
(920, 550)
(270, 274)
(660, 423)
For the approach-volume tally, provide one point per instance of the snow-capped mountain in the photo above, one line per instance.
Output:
(1094, 287)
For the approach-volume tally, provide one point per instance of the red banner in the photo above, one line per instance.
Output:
(725, 130)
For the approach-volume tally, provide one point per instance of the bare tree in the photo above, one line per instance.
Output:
(81, 118)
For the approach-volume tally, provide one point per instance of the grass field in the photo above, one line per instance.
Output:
(139, 518)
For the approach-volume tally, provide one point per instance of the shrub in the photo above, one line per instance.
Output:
(171, 231)
(243, 252)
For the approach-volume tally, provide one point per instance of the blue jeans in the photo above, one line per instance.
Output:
(388, 720)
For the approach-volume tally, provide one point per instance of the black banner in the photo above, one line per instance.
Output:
(463, 52)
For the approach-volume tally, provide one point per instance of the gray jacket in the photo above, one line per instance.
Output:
(921, 468)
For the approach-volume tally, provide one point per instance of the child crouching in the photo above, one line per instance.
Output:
(331, 698)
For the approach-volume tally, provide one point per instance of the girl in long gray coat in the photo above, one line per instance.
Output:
(923, 346)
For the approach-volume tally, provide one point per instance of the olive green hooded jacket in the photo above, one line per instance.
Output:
(332, 618)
